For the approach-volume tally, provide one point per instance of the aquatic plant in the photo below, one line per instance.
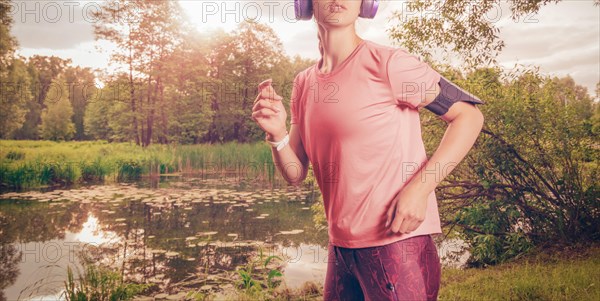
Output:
(99, 284)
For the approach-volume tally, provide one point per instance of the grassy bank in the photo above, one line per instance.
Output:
(568, 274)
(27, 164)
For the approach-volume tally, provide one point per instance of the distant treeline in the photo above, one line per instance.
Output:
(175, 84)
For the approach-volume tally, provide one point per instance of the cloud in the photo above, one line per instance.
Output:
(52, 24)
(562, 38)
(84, 54)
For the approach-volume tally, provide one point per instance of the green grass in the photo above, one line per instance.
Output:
(28, 164)
(568, 274)
(99, 284)
(565, 275)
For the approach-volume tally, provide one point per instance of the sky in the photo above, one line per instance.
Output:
(562, 39)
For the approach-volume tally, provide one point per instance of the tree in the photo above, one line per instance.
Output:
(532, 176)
(57, 121)
(43, 70)
(8, 43)
(252, 54)
(466, 27)
(117, 22)
(107, 115)
(14, 96)
(81, 83)
(596, 117)
(14, 80)
(188, 91)
(160, 34)
(146, 33)
(220, 65)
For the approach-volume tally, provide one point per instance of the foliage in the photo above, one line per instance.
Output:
(56, 119)
(14, 96)
(94, 171)
(532, 176)
(99, 284)
(7, 42)
(43, 72)
(495, 243)
(253, 283)
(14, 80)
(128, 170)
(80, 82)
(38, 163)
(153, 99)
(465, 28)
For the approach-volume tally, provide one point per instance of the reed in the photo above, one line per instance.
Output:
(100, 284)
(30, 164)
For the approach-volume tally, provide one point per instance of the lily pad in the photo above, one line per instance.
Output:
(296, 231)
(208, 233)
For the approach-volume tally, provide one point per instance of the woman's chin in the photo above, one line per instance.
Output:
(337, 21)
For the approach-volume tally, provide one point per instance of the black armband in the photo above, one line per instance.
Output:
(450, 94)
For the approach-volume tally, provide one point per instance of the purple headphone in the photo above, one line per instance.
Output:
(304, 9)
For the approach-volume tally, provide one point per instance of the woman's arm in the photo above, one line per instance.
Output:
(268, 111)
(291, 161)
(465, 122)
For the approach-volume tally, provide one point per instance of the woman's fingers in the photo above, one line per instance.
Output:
(264, 104)
(263, 113)
(264, 84)
(266, 91)
(269, 93)
(414, 225)
(400, 223)
(405, 223)
(390, 214)
(397, 223)
(405, 227)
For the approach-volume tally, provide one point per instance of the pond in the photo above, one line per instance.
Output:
(180, 234)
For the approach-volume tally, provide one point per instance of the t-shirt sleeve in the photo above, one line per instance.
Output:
(410, 78)
(295, 100)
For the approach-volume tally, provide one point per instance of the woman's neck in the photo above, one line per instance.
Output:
(338, 44)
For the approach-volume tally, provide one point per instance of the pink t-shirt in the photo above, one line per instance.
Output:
(362, 135)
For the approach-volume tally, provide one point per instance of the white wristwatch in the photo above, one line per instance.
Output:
(280, 144)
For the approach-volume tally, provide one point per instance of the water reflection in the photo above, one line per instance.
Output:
(38, 267)
(305, 262)
(92, 233)
(177, 237)
(181, 235)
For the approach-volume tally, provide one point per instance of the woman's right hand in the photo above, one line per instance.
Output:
(268, 111)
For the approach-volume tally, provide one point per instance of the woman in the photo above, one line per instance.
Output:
(355, 117)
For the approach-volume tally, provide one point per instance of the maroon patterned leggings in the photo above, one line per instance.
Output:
(408, 269)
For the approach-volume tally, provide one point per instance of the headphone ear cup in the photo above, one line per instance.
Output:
(368, 9)
(303, 9)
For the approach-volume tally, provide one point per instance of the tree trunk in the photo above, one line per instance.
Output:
(136, 134)
(142, 123)
(163, 114)
(150, 117)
